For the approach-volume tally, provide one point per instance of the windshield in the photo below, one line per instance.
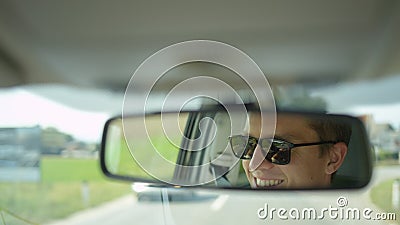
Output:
(65, 69)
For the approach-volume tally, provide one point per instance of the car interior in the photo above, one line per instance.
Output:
(125, 112)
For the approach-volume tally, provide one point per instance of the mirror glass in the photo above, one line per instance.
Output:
(221, 149)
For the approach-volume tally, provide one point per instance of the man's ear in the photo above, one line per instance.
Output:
(336, 157)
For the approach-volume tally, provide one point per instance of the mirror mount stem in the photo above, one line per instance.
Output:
(167, 215)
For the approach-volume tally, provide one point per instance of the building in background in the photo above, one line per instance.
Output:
(20, 150)
(384, 137)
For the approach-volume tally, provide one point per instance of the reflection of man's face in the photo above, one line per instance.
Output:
(307, 167)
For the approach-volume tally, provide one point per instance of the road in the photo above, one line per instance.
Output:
(235, 207)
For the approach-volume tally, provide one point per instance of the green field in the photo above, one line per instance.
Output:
(59, 193)
(150, 151)
(381, 196)
(55, 169)
(127, 166)
(65, 180)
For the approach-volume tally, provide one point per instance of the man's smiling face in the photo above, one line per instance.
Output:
(307, 167)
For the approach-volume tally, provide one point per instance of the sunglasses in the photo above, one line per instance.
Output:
(275, 150)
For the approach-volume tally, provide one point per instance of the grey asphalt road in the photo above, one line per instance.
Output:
(235, 207)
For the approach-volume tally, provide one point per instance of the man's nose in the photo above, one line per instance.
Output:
(258, 159)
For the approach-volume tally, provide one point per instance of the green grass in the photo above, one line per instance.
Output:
(59, 193)
(151, 148)
(55, 169)
(381, 195)
(388, 162)
(122, 162)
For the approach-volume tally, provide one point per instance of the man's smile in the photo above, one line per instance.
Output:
(267, 183)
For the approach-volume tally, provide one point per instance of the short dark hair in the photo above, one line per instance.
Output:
(332, 128)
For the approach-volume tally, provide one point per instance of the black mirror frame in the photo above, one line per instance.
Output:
(150, 183)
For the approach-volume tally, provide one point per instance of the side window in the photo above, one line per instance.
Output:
(223, 165)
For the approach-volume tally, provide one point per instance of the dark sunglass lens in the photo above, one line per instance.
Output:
(276, 151)
(279, 152)
(250, 147)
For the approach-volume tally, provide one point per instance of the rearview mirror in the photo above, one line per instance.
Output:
(220, 149)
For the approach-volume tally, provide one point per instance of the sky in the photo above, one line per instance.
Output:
(22, 108)
(379, 98)
(385, 113)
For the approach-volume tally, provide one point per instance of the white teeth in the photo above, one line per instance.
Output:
(267, 183)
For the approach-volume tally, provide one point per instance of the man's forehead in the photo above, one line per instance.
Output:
(288, 126)
(262, 123)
